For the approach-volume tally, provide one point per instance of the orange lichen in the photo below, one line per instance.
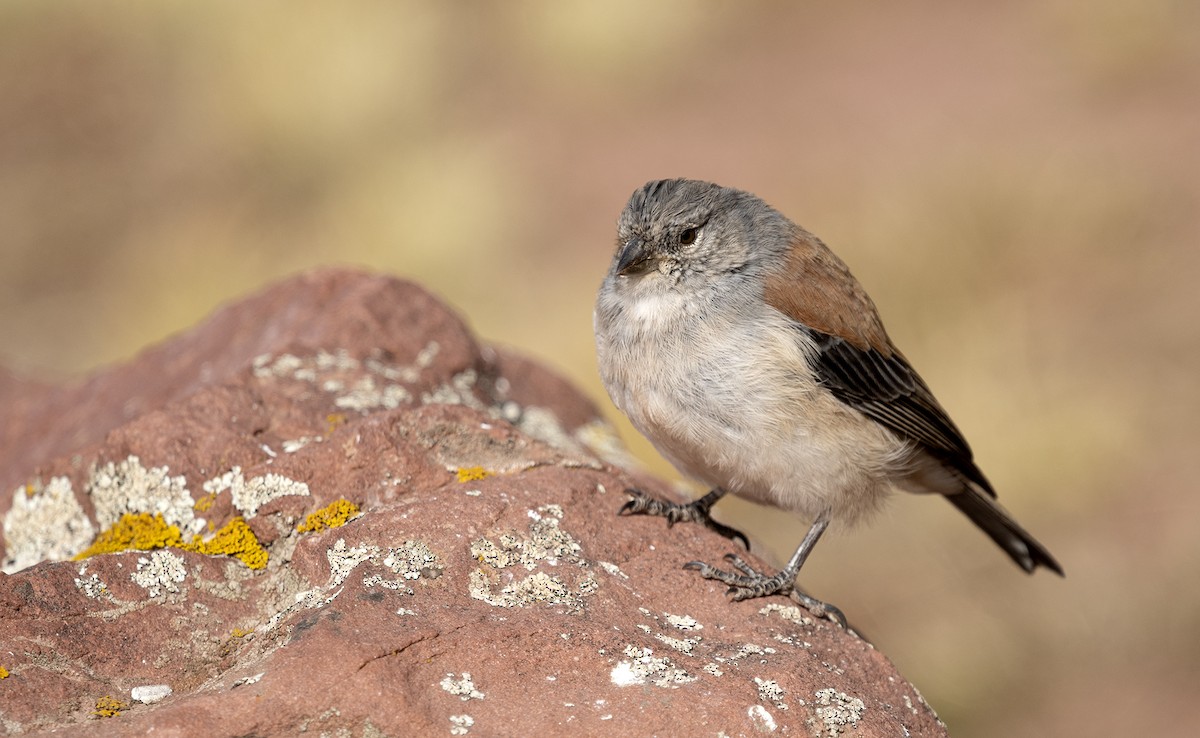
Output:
(334, 515)
(109, 707)
(146, 532)
(473, 474)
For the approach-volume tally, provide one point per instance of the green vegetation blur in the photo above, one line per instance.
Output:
(1017, 184)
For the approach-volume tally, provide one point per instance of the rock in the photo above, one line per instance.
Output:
(347, 516)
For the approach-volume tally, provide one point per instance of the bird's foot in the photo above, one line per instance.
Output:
(640, 503)
(747, 583)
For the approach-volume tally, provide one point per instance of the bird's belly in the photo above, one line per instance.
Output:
(733, 417)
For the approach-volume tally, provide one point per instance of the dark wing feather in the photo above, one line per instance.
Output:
(886, 389)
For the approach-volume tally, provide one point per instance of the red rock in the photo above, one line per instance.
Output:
(514, 602)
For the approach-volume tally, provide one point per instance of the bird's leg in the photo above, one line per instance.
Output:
(747, 582)
(696, 512)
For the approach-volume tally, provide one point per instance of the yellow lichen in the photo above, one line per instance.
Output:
(137, 532)
(334, 515)
(146, 532)
(473, 474)
(233, 539)
(3, 673)
(332, 421)
(109, 707)
(239, 633)
(205, 502)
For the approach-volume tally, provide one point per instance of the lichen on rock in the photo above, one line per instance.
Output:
(251, 494)
(44, 522)
(145, 532)
(334, 515)
(525, 580)
(117, 488)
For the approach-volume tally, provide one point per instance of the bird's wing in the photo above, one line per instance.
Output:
(888, 390)
(856, 360)
(816, 289)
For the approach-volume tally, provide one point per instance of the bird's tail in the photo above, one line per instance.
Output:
(1006, 532)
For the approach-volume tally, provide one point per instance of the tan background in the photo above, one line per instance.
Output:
(1018, 187)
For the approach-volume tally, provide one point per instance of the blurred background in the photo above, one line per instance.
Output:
(1017, 184)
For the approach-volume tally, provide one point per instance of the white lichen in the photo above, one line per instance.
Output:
(92, 587)
(426, 355)
(90, 584)
(339, 360)
(684, 645)
(751, 649)
(646, 668)
(837, 710)
(588, 585)
(343, 559)
(117, 488)
(791, 613)
(546, 543)
(770, 691)
(413, 560)
(340, 374)
(44, 522)
(161, 570)
(458, 391)
(366, 394)
(791, 641)
(249, 495)
(461, 724)
(282, 366)
(396, 585)
(462, 686)
(683, 622)
(535, 588)
(391, 372)
(372, 384)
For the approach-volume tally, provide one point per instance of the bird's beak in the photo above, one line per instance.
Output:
(635, 258)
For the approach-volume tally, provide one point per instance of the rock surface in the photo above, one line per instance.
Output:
(375, 526)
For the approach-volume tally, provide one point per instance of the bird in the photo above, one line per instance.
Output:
(747, 353)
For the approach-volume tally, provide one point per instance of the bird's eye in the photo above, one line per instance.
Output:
(687, 236)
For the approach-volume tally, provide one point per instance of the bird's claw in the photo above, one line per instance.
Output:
(746, 582)
(635, 504)
(749, 583)
(640, 503)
